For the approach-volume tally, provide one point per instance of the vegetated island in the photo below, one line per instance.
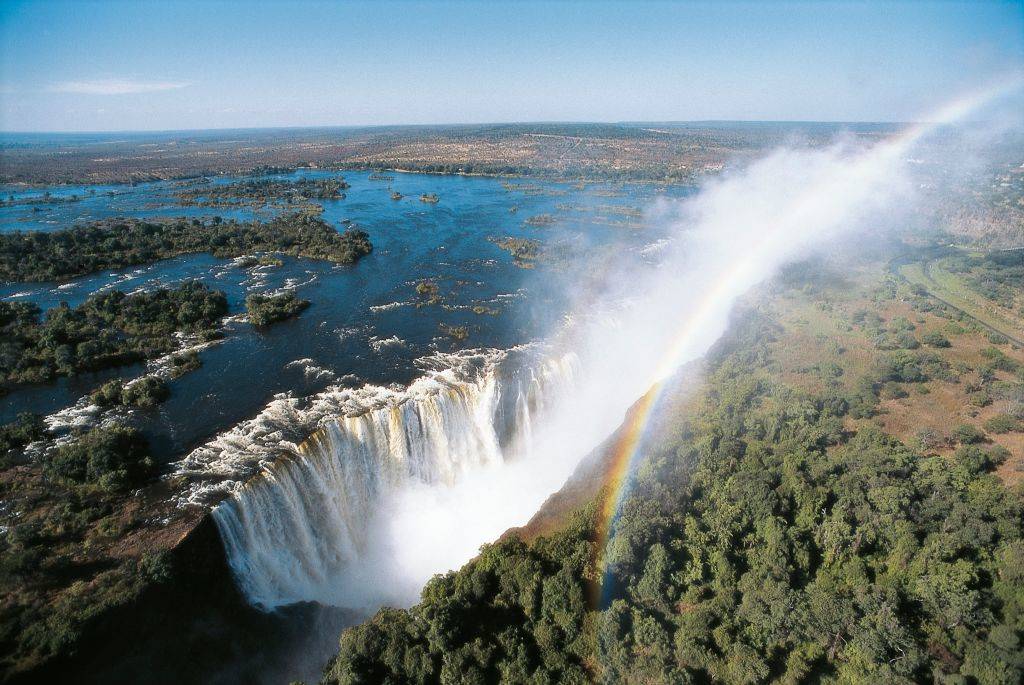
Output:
(525, 251)
(107, 330)
(116, 243)
(263, 192)
(264, 310)
(144, 393)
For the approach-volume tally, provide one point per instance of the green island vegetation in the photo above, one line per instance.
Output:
(525, 251)
(117, 243)
(263, 192)
(107, 330)
(46, 198)
(430, 198)
(459, 333)
(144, 393)
(609, 215)
(264, 310)
(807, 516)
(540, 220)
(250, 261)
(428, 292)
(184, 362)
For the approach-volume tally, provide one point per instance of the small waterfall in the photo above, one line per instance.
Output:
(295, 531)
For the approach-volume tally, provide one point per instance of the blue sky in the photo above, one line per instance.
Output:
(95, 66)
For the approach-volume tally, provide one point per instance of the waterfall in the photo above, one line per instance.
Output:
(307, 526)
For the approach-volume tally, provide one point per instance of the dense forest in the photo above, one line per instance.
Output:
(767, 536)
(110, 329)
(116, 243)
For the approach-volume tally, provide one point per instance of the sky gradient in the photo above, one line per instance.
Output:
(112, 66)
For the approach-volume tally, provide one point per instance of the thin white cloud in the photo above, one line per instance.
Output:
(115, 86)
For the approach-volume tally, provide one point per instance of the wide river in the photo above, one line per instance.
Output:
(364, 325)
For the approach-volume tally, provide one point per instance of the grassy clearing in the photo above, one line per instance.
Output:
(954, 290)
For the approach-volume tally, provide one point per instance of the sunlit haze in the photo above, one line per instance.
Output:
(89, 66)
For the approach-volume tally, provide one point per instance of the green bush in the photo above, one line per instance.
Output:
(1002, 423)
(108, 394)
(935, 339)
(968, 434)
(892, 391)
(147, 391)
(144, 392)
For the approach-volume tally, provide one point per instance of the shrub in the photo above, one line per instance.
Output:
(968, 434)
(981, 398)
(148, 391)
(1002, 423)
(892, 391)
(145, 392)
(931, 439)
(108, 394)
(935, 339)
(999, 361)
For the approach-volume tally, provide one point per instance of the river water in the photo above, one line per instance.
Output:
(364, 325)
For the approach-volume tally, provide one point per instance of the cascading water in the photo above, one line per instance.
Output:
(307, 526)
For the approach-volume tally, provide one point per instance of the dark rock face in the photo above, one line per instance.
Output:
(198, 628)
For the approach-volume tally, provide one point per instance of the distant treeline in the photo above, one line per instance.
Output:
(663, 173)
(117, 243)
(264, 191)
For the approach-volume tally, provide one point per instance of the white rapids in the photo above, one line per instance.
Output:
(311, 520)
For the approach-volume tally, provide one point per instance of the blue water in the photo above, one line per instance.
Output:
(341, 333)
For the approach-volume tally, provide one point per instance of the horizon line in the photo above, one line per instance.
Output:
(314, 127)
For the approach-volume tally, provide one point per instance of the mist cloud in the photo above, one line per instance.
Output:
(642, 324)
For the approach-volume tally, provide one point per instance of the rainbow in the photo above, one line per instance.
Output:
(630, 439)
